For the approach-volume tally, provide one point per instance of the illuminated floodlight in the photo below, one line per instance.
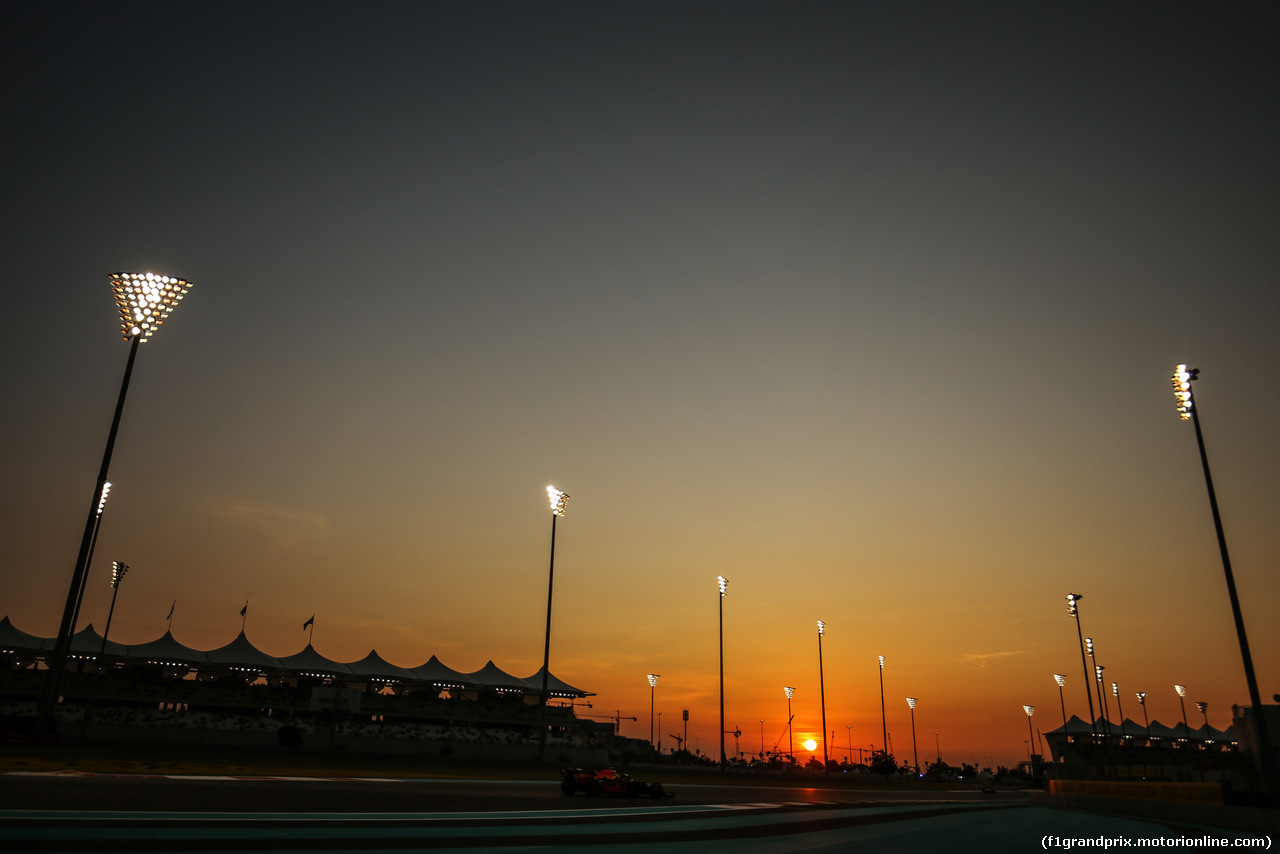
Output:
(822, 628)
(1060, 679)
(118, 570)
(102, 498)
(724, 584)
(145, 300)
(911, 701)
(1098, 668)
(1182, 379)
(1202, 706)
(1072, 599)
(1142, 697)
(1030, 710)
(1181, 689)
(790, 692)
(881, 662)
(558, 500)
(653, 679)
(1115, 688)
(1088, 645)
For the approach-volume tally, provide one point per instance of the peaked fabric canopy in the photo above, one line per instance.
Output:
(374, 666)
(88, 642)
(166, 649)
(495, 677)
(241, 653)
(554, 685)
(310, 661)
(437, 673)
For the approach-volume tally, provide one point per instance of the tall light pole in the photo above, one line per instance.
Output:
(915, 754)
(1142, 701)
(1182, 380)
(653, 684)
(822, 695)
(1073, 610)
(557, 500)
(93, 544)
(1062, 681)
(1203, 708)
(1031, 710)
(884, 723)
(1106, 712)
(1097, 678)
(144, 301)
(791, 741)
(1182, 700)
(724, 587)
(1115, 689)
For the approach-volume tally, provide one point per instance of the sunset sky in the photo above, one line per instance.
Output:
(869, 307)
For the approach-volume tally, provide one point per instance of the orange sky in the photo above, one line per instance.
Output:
(870, 309)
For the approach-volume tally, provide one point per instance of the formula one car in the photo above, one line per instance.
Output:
(607, 781)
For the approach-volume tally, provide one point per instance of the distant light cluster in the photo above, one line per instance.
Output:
(1182, 390)
(145, 300)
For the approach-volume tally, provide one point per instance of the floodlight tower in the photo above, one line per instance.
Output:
(915, 754)
(1115, 689)
(791, 744)
(724, 587)
(1182, 379)
(822, 694)
(1073, 610)
(1182, 701)
(1062, 681)
(653, 685)
(558, 500)
(1142, 701)
(1030, 710)
(144, 301)
(884, 723)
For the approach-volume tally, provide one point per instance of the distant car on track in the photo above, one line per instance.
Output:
(607, 781)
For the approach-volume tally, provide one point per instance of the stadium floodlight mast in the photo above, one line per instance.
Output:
(1184, 396)
(1203, 708)
(791, 749)
(1182, 701)
(822, 695)
(144, 301)
(724, 588)
(1073, 610)
(1062, 681)
(93, 545)
(1142, 701)
(558, 500)
(884, 721)
(1115, 689)
(915, 754)
(653, 685)
(1030, 710)
(1097, 672)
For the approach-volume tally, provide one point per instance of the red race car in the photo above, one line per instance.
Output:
(607, 781)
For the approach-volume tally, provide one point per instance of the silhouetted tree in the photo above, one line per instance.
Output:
(882, 763)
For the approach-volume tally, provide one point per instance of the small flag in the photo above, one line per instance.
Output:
(245, 609)
(308, 622)
(171, 607)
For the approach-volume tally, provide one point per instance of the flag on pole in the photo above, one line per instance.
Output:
(245, 609)
(308, 622)
(171, 607)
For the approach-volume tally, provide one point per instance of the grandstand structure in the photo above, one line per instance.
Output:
(237, 694)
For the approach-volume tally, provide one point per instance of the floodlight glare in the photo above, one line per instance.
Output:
(1060, 679)
(881, 662)
(822, 628)
(911, 701)
(118, 570)
(1142, 697)
(1201, 706)
(1030, 710)
(145, 300)
(790, 692)
(1072, 598)
(1181, 689)
(557, 499)
(724, 584)
(1182, 379)
(653, 679)
(102, 500)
